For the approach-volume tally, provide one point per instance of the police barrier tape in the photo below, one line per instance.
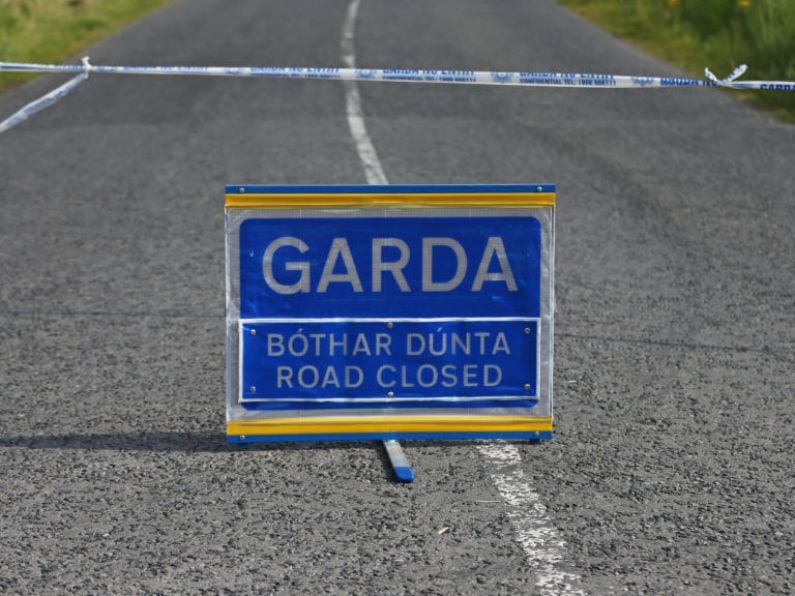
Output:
(462, 77)
(43, 102)
(455, 77)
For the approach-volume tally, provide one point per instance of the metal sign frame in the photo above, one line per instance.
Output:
(471, 209)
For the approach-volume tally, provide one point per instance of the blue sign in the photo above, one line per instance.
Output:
(403, 363)
(403, 312)
(390, 267)
(363, 312)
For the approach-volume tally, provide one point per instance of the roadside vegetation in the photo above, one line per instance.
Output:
(54, 30)
(719, 34)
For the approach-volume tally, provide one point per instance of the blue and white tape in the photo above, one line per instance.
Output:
(462, 77)
(455, 77)
(44, 101)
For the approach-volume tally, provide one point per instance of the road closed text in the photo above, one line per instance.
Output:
(400, 359)
(421, 348)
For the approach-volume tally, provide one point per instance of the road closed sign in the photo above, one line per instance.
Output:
(389, 312)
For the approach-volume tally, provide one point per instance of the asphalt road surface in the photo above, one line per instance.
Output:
(672, 466)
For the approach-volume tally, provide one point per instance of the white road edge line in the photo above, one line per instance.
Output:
(353, 103)
(543, 547)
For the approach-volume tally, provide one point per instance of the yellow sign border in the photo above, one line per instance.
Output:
(388, 424)
(381, 200)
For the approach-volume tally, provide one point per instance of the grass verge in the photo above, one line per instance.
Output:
(54, 30)
(719, 34)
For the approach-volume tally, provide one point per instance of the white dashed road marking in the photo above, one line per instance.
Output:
(535, 532)
(353, 102)
(541, 542)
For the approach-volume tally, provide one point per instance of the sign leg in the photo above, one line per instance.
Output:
(399, 462)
